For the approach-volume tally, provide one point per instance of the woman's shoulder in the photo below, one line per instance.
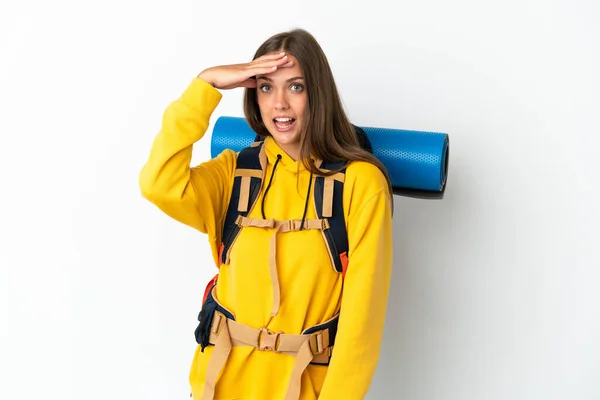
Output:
(365, 179)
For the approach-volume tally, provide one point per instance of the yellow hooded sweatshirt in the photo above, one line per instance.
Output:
(310, 289)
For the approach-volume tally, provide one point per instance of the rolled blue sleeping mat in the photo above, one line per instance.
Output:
(416, 161)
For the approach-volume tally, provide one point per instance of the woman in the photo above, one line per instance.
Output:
(269, 325)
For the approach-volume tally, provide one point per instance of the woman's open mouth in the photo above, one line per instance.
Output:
(284, 124)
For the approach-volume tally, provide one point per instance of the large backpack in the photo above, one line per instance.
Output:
(327, 194)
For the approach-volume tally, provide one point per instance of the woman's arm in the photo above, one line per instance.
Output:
(197, 196)
(364, 300)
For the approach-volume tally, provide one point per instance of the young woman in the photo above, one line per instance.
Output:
(284, 320)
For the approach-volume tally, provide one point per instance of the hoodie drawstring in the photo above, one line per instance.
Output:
(281, 227)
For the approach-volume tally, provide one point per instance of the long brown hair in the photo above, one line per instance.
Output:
(327, 134)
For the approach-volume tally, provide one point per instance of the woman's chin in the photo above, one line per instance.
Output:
(290, 138)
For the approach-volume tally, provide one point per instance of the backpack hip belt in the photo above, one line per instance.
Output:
(314, 345)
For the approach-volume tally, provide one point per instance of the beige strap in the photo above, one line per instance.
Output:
(263, 339)
(226, 333)
(219, 357)
(255, 222)
(246, 174)
(253, 173)
(339, 176)
(280, 227)
(286, 226)
(262, 158)
(317, 224)
(331, 255)
(328, 197)
(273, 271)
(244, 194)
(303, 358)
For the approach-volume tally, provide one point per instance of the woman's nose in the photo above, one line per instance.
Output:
(281, 102)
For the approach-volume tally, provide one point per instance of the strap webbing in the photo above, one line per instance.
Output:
(227, 333)
(219, 357)
(328, 198)
(254, 173)
(280, 227)
(329, 204)
(244, 194)
(250, 166)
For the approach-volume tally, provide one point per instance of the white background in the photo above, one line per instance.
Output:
(495, 291)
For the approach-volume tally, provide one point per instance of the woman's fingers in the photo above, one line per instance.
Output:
(270, 66)
(269, 63)
(261, 71)
(249, 83)
(270, 56)
(265, 70)
(240, 75)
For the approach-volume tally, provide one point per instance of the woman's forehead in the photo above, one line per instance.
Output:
(284, 74)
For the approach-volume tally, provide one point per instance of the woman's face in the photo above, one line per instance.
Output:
(282, 99)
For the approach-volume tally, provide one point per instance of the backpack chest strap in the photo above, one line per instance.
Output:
(280, 227)
(290, 225)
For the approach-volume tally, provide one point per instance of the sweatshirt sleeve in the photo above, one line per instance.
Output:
(196, 196)
(364, 302)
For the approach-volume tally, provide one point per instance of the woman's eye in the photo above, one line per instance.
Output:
(296, 87)
(265, 88)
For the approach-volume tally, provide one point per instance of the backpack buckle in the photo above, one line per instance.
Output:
(217, 322)
(324, 224)
(238, 220)
(318, 342)
(267, 340)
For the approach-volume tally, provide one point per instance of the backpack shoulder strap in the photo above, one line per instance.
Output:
(249, 174)
(328, 200)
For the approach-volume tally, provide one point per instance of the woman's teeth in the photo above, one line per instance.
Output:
(283, 123)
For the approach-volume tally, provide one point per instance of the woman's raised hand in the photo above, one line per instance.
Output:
(242, 75)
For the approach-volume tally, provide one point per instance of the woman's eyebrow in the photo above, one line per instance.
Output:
(266, 78)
